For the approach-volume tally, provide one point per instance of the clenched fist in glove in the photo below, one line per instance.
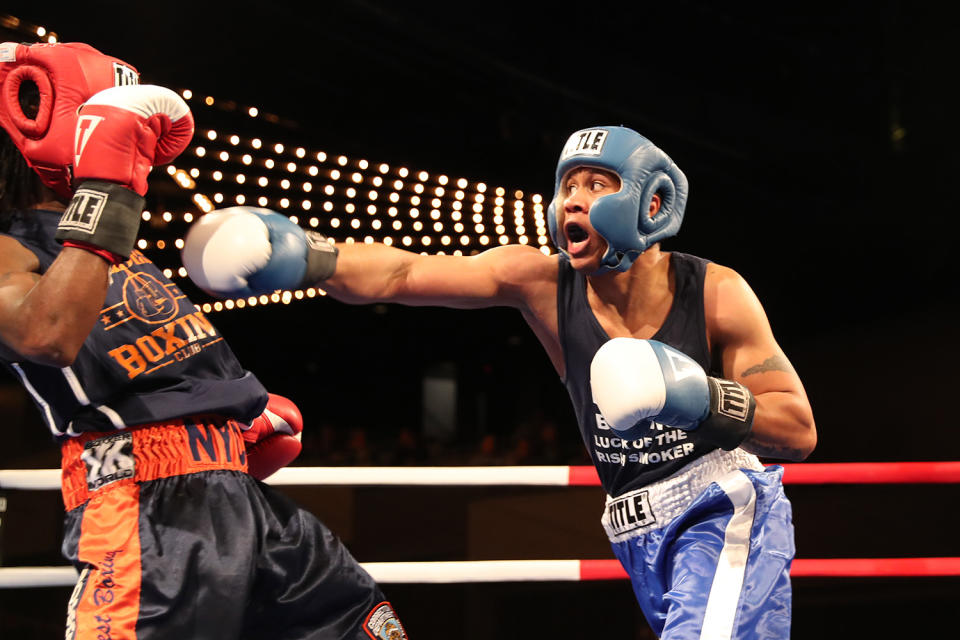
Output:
(246, 251)
(121, 134)
(636, 380)
(273, 438)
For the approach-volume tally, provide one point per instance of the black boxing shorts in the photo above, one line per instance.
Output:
(173, 539)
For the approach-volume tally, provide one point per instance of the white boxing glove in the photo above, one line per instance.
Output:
(247, 251)
(635, 380)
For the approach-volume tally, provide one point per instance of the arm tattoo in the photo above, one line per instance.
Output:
(770, 450)
(775, 363)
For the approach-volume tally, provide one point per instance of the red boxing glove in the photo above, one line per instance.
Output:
(273, 438)
(123, 132)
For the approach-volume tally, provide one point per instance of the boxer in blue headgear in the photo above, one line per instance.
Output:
(620, 218)
(676, 380)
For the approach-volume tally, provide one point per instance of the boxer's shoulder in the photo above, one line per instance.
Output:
(525, 271)
(729, 301)
(718, 274)
(518, 261)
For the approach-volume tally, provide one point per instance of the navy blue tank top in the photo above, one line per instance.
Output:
(657, 450)
(153, 355)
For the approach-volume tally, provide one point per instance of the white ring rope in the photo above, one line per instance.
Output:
(564, 476)
(544, 570)
(47, 479)
(16, 577)
(383, 572)
(536, 475)
(537, 570)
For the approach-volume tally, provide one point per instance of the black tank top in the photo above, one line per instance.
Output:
(153, 355)
(625, 465)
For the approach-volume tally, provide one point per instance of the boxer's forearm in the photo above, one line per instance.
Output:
(46, 319)
(377, 273)
(783, 427)
(369, 273)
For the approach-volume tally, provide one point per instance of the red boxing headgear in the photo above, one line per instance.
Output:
(67, 75)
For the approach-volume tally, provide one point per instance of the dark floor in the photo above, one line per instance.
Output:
(823, 610)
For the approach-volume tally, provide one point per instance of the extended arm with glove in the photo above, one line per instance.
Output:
(635, 380)
(243, 251)
(273, 438)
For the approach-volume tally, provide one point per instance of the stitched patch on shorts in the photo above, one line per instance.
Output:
(108, 460)
(630, 512)
(383, 624)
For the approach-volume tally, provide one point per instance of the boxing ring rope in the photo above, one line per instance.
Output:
(545, 475)
(542, 570)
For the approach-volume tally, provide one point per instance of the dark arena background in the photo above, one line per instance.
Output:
(820, 141)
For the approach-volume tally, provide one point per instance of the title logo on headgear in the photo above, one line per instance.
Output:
(589, 142)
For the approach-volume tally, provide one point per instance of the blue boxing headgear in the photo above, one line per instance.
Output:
(621, 218)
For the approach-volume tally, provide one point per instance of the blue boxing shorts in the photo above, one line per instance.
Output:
(708, 549)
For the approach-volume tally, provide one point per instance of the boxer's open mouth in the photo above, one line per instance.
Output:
(575, 233)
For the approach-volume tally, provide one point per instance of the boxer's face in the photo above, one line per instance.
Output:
(581, 187)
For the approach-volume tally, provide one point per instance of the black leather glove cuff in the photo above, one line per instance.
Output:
(321, 259)
(102, 214)
(731, 414)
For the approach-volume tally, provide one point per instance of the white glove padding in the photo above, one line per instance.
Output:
(246, 251)
(635, 380)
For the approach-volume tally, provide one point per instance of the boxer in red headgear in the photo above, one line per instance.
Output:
(157, 421)
(66, 75)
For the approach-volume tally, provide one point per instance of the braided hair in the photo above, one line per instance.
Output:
(20, 186)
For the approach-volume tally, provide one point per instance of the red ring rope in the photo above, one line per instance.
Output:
(834, 473)
(816, 567)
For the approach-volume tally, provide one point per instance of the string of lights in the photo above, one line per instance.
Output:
(347, 199)
(27, 29)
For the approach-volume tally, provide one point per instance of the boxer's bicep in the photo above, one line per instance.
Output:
(17, 279)
(14, 287)
(46, 318)
(783, 424)
(509, 276)
(451, 281)
(751, 354)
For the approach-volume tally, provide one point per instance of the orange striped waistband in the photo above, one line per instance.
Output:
(93, 462)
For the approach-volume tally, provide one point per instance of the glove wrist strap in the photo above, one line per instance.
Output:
(321, 259)
(112, 258)
(104, 215)
(730, 418)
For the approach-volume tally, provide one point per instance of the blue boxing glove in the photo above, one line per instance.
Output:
(246, 251)
(635, 380)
